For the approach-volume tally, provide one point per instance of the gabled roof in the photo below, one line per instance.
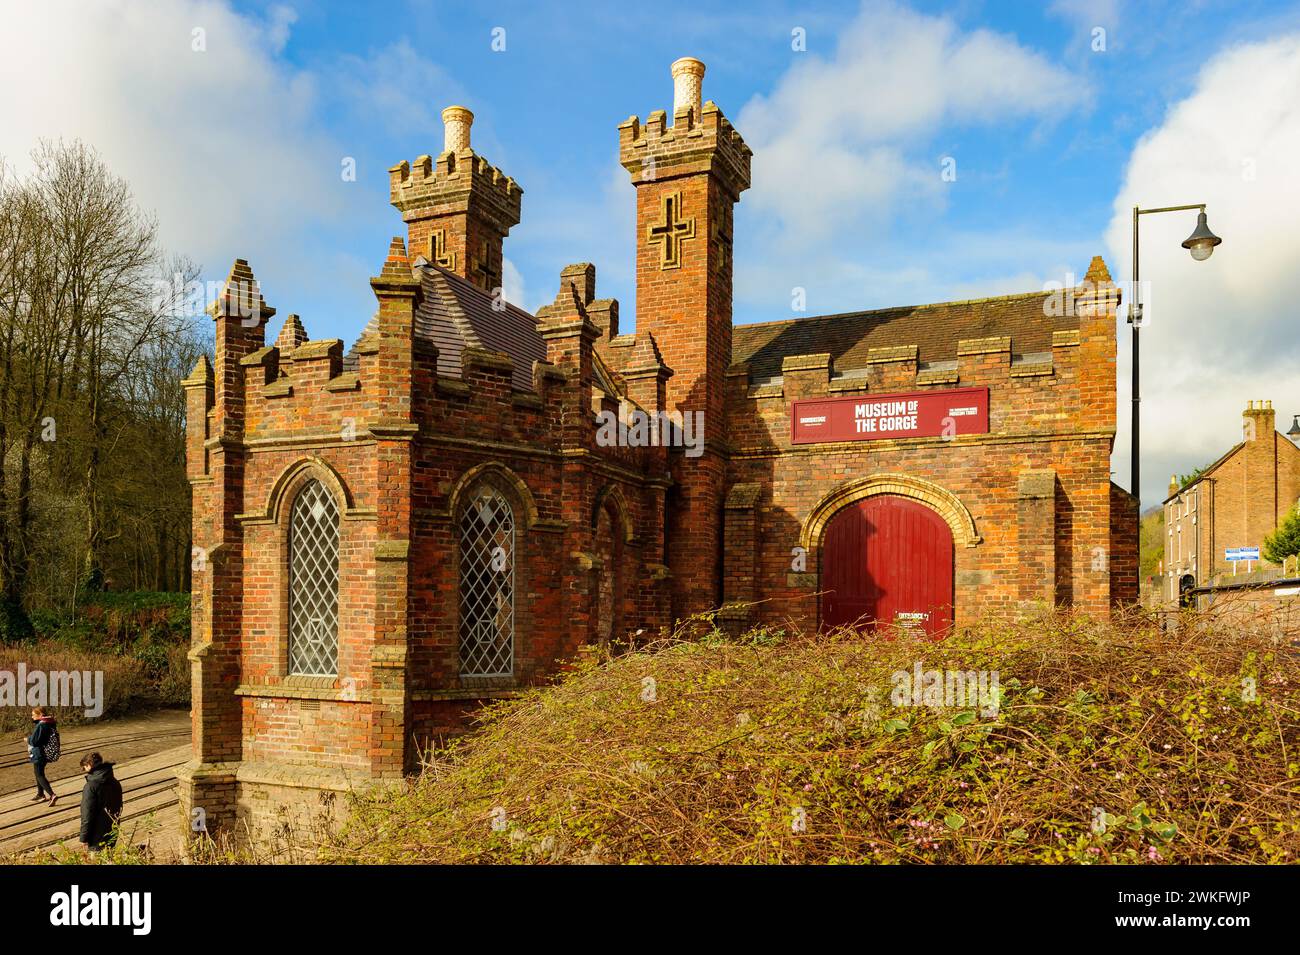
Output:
(934, 329)
(456, 314)
(1279, 440)
(1208, 471)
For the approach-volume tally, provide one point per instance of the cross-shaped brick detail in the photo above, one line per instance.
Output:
(671, 232)
(484, 273)
(722, 238)
(438, 253)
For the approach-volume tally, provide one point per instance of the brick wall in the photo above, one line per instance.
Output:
(1037, 485)
(400, 450)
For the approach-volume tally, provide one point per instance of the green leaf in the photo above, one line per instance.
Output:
(961, 719)
(1165, 830)
(954, 820)
(895, 726)
(1017, 835)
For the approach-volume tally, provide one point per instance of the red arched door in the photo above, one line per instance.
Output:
(887, 561)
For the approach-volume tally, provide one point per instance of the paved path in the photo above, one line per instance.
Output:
(148, 784)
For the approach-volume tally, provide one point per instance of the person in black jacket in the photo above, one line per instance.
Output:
(36, 741)
(101, 803)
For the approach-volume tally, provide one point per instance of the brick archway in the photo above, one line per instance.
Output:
(505, 480)
(292, 478)
(611, 497)
(941, 500)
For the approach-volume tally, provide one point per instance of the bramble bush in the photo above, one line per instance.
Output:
(1120, 742)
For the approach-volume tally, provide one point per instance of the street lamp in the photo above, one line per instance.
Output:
(1201, 245)
(1294, 433)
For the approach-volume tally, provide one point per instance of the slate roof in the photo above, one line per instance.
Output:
(934, 329)
(456, 314)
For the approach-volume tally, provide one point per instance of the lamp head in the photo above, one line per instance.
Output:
(1202, 241)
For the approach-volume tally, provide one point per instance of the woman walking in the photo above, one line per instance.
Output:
(41, 734)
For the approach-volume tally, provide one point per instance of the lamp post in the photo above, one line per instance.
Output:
(1201, 245)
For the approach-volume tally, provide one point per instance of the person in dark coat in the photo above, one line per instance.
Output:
(36, 741)
(101, 803)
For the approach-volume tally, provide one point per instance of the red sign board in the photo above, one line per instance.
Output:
(925, 414)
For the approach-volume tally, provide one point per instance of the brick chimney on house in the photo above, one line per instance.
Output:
(1260, 491)
(459, 208)
(1259, 421)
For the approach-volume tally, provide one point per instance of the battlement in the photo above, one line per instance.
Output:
(451, 184)
(458, 208)
(700, 138)
(992, 361)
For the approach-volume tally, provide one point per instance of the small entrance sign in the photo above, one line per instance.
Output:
(1241, 553)
(923, 414)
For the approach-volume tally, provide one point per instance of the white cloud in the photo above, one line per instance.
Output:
(219, 142)
(1220, 332)
(512, 284)
(847, 128)
(404, 91)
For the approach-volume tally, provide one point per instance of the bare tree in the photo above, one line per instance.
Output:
(93, 343)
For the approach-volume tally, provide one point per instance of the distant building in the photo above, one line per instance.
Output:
(1232, 505)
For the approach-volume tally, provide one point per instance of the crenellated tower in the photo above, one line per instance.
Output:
(688, 178)
(459, 208)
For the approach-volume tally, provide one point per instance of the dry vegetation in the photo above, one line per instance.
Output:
(1112, 744)
(139, 641)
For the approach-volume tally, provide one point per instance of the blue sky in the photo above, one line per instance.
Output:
(1033, 192)
(238, 148)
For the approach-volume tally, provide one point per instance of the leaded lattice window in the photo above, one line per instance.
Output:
(314, 582)
(487, 585)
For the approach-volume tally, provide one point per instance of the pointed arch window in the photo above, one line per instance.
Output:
(314, 582)
(487, 585)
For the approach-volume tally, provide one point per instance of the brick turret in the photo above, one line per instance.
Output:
(459, 208)
(688, 178)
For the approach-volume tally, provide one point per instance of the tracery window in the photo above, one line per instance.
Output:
(487, 585)
(314, 582)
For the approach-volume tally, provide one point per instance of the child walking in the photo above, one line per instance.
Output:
(42, 732)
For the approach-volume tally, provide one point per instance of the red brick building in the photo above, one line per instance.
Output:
(471, 494)
(1233, 504)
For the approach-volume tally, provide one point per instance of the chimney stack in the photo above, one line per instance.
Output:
(688, 76)
(456, 121)
(1260, 420)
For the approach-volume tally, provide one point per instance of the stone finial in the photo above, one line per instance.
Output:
(581, 275)
(202, 373)
(1098, 274)
(688, 77)
(292, 334)
(241, 297)
(646, 354)
(456, 121)
(397, 262)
